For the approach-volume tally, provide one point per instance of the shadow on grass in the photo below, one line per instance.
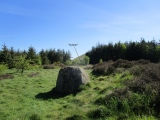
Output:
(53, 94)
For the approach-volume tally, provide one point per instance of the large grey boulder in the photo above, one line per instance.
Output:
(70, 79)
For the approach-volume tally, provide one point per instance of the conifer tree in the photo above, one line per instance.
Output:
(44, 58)
(33, 57)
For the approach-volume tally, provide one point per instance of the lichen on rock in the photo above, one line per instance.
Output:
(70, 79)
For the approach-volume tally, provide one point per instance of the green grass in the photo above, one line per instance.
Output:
(18, 97)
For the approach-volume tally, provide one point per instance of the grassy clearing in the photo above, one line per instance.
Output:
(18, 94)
(18, 97)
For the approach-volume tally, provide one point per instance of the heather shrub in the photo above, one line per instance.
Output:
(35, 117)
(99, 68)
(140, 96)
(58, 64)
(48, 66)
(76, 117)
(103, 68)
(109, 67)
(135, 67)
(100, 112)
(61, 65)
(137, 70)
(142, 61)
(110, 70)
(120, 63)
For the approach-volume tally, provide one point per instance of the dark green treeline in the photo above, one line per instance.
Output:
(9, 55)
(130, 51)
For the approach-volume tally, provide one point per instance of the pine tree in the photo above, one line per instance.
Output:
(11, 60)
(5, 56)
(44, 58)
(51, 55)
(31, 53)
(33, 57)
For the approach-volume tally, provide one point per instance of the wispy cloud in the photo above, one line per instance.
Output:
(124, 22)
(126, 27)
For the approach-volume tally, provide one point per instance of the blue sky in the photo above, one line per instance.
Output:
(45, 24)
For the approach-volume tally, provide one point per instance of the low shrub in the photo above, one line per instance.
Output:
(142, 61)
(137, 70)
(101, 112)
(106, 68)
(103, 68)
(120, 63)
(54, 65)
(48, 66)
(139, 97)
(34, 67)
(76, 117)
(58, 64)
(3, 68)
(61, 65)
(110, 70)
(88, 67)
(35, 117)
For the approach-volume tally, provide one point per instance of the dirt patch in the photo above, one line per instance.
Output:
(6, 76)
(33, 74)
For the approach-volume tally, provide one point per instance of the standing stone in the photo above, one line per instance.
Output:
(70, 79)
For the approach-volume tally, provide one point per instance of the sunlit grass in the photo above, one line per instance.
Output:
(18, 97)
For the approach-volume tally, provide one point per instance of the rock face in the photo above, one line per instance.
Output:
(70, 79)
